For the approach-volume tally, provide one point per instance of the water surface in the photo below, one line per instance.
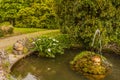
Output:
(38, 68)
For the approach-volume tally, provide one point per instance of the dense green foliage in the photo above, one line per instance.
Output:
(65, 40)
(80, 19)
(38, 15)
(29, 13)
(5, 28)
(48, 47)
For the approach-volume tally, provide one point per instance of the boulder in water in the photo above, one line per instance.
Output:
(90, 63)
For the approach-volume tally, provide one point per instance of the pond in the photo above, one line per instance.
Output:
(38, 68)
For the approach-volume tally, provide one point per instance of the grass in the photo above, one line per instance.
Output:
(9, 49)
(18, 31)
(52, 34)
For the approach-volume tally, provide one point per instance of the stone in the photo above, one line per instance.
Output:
(88, 62)
(3, 54)
(3, 59)
(18, 47)
(7, 29)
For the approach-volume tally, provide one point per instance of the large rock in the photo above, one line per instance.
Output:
(90, 63)
(18, 47)
(7, 29)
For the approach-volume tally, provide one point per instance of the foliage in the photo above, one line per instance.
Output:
(38, 15)
(84, 53)
(1, 33)
(83, 63)
(19, 31)
(5, 28)
(64, 39)
(9, 9)
(80, 19)
(48, 47)
(29, 13)
(5, 23)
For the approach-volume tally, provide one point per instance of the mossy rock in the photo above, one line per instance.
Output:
(91, 63)
(6, 29)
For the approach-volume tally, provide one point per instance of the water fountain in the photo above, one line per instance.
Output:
(58, 69)
(89, 62)
(97, 32)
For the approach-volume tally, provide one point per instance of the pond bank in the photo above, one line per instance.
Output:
(12, 60)
(15, 58)
(4, 43)
(59, 68)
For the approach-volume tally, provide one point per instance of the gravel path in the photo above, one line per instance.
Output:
(11, 40)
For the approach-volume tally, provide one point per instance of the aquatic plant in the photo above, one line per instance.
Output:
(90, 62)
(48, 47)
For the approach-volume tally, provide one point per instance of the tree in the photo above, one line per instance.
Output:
(29, 13)
(41, 15)
(80, 19)
(9, 9)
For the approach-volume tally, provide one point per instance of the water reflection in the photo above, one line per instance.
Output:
(95, 77)
(59, 68)
(30, 77)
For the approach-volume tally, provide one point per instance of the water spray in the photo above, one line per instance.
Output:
(97, 32)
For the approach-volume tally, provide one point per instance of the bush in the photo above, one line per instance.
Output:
(48, 47)
(81, 18)
(65, 40)
(1, 33)
(5, 28)
(30, 13)
(38, 15)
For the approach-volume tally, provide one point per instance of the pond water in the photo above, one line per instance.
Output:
(38, 68)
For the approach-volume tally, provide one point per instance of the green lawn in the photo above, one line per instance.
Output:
(18, 31)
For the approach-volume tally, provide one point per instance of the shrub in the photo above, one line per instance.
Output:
(5, 28)
(81, 18)
(38, 15)
(65, 40)
(1, 33)
(48, 47)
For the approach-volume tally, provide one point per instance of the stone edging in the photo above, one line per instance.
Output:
(13, 59)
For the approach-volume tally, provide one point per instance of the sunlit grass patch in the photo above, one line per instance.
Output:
(26, 30)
